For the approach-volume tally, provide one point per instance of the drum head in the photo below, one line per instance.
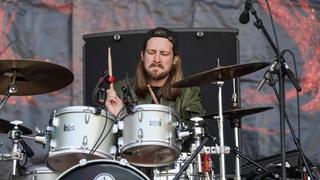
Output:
(150, 155)
(64, 161)
(103, 170)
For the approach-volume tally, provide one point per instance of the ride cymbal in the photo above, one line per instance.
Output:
(238, 113)
(6, 126)
(33, 76)
(220, 73)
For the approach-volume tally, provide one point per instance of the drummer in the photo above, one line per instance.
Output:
(159, 67)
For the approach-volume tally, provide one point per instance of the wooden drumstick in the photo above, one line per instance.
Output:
(110, 66)
(155, 100)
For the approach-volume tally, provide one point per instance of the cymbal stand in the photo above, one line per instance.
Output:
(221, 151)
(236, 125)
(15, 136)
(11, 89)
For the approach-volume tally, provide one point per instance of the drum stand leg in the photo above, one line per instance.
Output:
(237, 160)
(239, 154)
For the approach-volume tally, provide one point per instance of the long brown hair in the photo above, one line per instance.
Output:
(166, 91)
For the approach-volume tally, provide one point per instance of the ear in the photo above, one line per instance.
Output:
(141, 55)
(175, 59)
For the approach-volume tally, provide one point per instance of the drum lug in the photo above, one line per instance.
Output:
(120, 125)
(140, 116)
(140, 135)
(86, 118)
(170, 139)
(85, 142)
(120, 141)
(123, 162)
(83, 162)
(55, 122)
(115, 128)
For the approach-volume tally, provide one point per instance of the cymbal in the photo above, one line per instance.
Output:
(33, 76)
(238, 113)
(5, 127)
(220, 73)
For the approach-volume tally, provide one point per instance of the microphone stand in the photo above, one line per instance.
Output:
(283, 70)
(295, 138)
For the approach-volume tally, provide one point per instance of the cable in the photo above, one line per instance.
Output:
(117, 116)
(298, 104)
(101, 134)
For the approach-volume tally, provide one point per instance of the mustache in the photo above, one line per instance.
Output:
(156, 65)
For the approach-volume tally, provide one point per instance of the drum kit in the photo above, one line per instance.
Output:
(90, 143)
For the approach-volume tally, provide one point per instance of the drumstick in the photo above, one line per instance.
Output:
(152, 95)
(110, 66)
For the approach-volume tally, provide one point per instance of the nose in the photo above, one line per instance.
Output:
(157, 57)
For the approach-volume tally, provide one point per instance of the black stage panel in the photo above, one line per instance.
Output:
(199, 48)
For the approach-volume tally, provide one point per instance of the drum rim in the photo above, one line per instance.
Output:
(101, 161)
(78, 109)
(153, 107)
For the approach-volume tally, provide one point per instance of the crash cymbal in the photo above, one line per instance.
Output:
(5, 127)
(33, 76)
(238, 113)
(220, 73)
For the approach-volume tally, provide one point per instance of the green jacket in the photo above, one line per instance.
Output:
(189, 100)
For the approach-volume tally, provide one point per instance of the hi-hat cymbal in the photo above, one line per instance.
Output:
(33, 76)
(5, 127)
(220, 73)
(238, 113)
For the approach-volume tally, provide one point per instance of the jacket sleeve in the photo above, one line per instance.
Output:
(191, 103)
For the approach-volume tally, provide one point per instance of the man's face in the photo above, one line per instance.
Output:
(158, 58)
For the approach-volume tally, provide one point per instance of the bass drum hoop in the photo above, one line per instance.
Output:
(123, 164)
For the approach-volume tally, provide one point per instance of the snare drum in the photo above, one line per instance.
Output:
(103, 170)
(149, 136)
(76, 130)
(37, 172)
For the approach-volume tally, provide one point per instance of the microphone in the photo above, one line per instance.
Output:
(267, 75)
(291, 77)
(125, 98)
(98, 94)
(244, 17)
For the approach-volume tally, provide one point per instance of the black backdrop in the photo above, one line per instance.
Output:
(199, 48)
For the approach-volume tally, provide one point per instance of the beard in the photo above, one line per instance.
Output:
(157, 73)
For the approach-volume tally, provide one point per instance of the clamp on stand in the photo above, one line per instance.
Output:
(15, 136)
(12, 89)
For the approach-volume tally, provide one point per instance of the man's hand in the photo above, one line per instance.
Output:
(113, 102)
